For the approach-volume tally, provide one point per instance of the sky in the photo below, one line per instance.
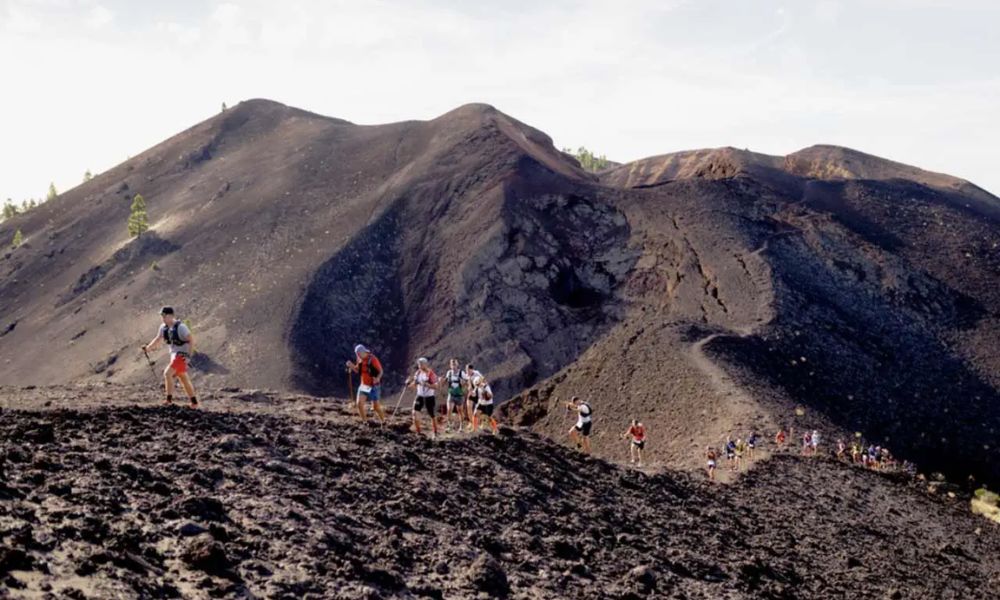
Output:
(84, 84)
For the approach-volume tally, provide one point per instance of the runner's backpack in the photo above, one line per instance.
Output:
(172, 334)
(368, 366)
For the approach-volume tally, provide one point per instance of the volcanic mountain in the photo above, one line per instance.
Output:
(706, 293)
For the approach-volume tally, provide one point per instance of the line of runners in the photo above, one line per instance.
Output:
(469, 400)
(873, 457)
(470, 403)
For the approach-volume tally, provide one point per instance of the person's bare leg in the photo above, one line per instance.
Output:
(379, 411)
(639, 452)
(168, 383)
(586, 444)
(362, 408)
(188, 388)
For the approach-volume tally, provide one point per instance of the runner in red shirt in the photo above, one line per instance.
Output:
(637, 434)
(370, 370)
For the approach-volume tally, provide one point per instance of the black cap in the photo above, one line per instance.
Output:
(167, 310)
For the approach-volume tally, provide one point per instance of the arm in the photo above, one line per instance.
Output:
(154, 344)
(191, 341)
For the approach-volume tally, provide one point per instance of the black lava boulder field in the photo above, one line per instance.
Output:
(104, 494)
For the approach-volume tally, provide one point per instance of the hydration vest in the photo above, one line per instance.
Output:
(172, 334)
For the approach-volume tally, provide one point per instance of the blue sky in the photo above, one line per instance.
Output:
(89, 82)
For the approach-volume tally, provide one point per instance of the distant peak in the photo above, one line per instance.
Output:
(257, 108)
(261, 102)
(477, 108)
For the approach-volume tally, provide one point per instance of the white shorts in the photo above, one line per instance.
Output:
(711, 464)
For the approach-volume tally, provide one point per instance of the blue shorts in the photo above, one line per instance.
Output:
(372, 392)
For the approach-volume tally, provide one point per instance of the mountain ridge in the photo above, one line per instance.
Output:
(684, 290)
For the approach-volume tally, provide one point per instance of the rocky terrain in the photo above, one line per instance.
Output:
(106, 494)
(708, 292)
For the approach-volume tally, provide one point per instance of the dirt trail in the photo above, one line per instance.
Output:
(714, 373)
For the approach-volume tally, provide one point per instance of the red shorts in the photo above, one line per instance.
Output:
(179, 364)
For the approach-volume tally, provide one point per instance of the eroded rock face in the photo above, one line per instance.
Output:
(548, 279)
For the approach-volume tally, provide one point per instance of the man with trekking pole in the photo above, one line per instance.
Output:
(179, 339)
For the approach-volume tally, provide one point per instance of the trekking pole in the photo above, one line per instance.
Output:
(350, 384)
(399, 402)
(151, 364)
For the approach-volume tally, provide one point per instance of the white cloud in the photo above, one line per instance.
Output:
(99, 16)
(232, 26)
(185, 35)
(21, 19)
(627, 79)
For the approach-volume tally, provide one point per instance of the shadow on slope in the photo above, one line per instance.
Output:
(355, 297)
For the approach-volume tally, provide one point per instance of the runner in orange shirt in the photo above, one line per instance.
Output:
(370, 369)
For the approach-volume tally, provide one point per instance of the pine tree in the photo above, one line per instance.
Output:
(588, 160)
(18, 239)
(9, 209)
(137, 221)
(52, 192)
(87, 176)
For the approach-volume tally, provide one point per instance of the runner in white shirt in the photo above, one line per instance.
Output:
(468, 376)
(484, 403)
(580, 433)
(426, 383)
